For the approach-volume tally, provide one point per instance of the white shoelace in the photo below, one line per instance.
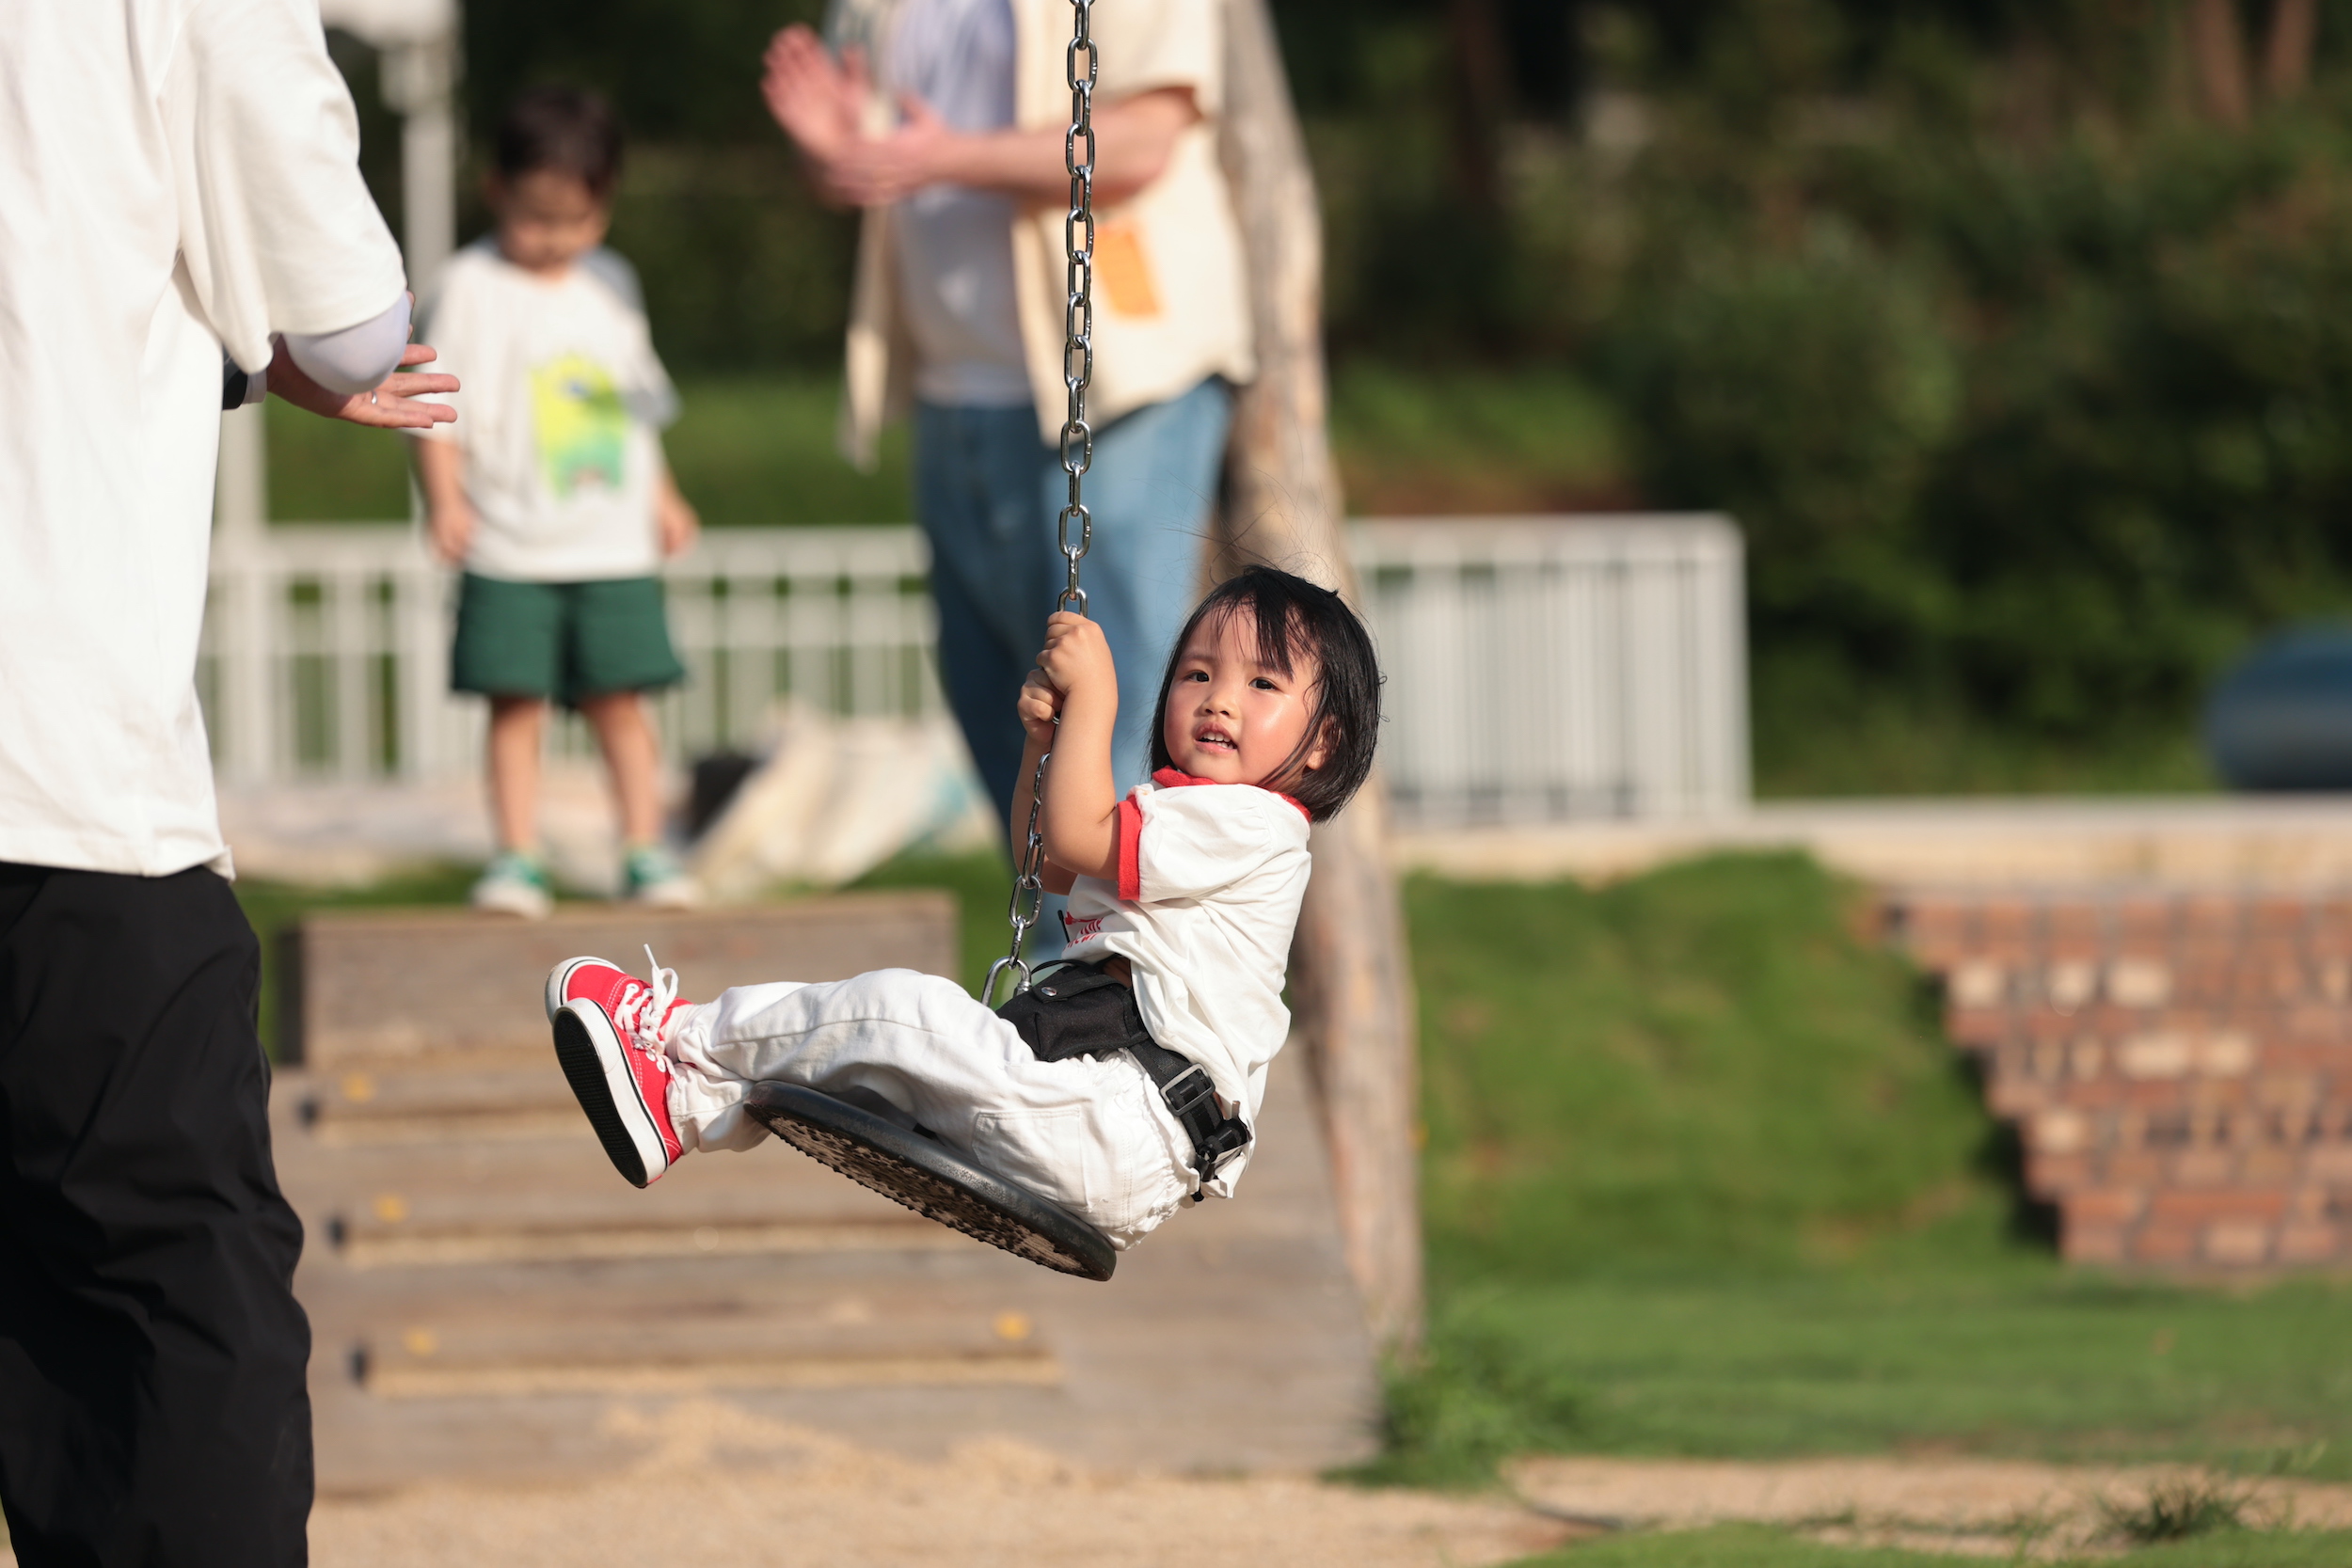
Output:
(645, 1015)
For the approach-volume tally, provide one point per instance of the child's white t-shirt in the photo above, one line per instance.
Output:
(559, 417)
(1209, 880)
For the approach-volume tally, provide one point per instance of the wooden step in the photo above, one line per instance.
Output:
(633, 1332)
(494, 1095)
(488, 1297)
(1231, 1338)
(447, 1198)
(372, 985)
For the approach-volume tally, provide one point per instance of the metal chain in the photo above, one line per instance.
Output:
(1077, 450)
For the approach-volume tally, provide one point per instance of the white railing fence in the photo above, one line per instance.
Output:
(1560, 669)
(1539, 669)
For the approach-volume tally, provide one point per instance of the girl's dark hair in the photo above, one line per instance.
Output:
(1294, 618)
(564, 129)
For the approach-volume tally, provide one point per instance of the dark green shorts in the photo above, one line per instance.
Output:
(562, 640)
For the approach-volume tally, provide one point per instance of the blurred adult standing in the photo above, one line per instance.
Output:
(944, 121)
(182, 224)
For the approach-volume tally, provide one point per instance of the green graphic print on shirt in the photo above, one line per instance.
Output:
(583, 425)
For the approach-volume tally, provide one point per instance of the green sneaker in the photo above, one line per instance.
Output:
(651, 875)
(517, 884)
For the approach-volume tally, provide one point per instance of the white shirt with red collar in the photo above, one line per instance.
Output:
(1209, 879)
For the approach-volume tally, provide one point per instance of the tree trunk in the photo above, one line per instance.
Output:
(2287, 60)
(1282, 506)
(1481, 89)
(2218, 46)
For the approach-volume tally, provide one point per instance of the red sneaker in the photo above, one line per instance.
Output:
(608, 1033)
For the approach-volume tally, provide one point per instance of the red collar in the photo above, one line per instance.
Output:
(1168, 778)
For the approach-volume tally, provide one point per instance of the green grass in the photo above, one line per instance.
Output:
(2005, 1355)
(1700, 1063)
(2179, 1510)
(1753, 1546)
(760, 452)
(1921, 750)
(746, 451)
(753, 451)
(1702, 1179)
(324, 471)
(1460, 441)
(1817, 735)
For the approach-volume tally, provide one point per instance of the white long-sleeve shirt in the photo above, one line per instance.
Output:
(177, 178)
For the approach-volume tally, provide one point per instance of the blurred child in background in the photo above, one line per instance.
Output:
(552, 492)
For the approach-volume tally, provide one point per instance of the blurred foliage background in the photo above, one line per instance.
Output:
(2005, 328)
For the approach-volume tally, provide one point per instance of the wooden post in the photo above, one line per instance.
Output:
(1282, 506)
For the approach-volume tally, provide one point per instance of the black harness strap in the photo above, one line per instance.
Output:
(1077, 1009)
(1192, 1100)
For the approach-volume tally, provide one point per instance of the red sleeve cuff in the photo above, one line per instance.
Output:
(1130, 848)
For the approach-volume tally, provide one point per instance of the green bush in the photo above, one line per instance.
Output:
(2147, 474)
(1809, 394)
(2049, 427)
(2029, 385)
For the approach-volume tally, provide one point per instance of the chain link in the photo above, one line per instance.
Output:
(1077, 449)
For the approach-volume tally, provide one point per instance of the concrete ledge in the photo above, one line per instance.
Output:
(2291, 842)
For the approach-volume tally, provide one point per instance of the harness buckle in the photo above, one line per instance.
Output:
(1193, 1097)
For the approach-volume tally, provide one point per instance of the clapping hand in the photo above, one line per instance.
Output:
(818, 102)
(822, 105)
(873, 171)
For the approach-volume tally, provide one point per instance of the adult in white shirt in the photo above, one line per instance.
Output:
(181, 225)
(958, 308)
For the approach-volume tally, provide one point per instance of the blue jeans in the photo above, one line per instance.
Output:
(988, 491)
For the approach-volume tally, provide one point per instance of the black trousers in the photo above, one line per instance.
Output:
(152, 1408)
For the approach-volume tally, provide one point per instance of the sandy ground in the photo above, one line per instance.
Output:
(729, 1490)
(1970, 1506)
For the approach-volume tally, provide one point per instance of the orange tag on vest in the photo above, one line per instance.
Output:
(1120, 267)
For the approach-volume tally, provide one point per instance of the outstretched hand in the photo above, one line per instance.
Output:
(394, 405)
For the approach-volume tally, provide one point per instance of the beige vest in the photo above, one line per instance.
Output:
(1171, 306)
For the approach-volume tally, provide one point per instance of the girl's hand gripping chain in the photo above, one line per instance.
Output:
(1076, 662)
(1039, 708)
(1077, 683)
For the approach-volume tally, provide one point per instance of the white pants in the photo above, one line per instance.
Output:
(1092, 1135)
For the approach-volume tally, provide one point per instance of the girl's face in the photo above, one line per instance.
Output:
(1234, 717)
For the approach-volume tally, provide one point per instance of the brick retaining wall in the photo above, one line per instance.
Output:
(2178, 1067)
